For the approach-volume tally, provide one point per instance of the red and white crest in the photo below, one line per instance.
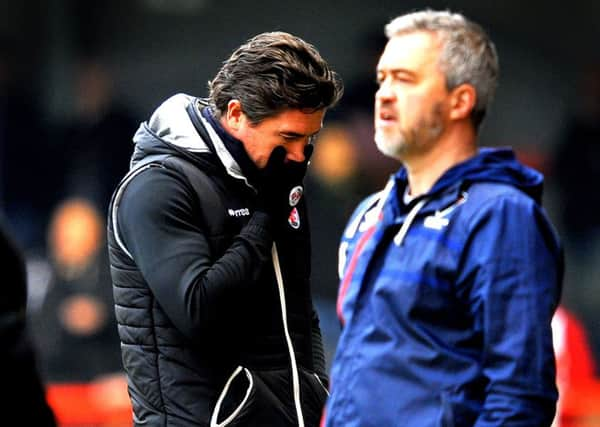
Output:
(294, 219)
(296, 195)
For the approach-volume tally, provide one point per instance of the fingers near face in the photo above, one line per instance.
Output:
(291, 129)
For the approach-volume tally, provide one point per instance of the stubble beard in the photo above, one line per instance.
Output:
(391, 145)
(401, 143)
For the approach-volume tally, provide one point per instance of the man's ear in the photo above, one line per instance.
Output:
(234, 114)
(462, 101)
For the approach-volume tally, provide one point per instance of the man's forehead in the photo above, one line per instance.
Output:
(412, 49)
(299, 121)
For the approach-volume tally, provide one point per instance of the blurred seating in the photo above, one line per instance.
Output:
(580, 405)
(579, 388)
(102, 403)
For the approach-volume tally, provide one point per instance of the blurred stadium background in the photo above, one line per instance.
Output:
(77, 77)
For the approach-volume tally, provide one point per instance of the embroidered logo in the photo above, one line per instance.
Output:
(295, 195)
(238, 212)
(294, 219)
(436, 222)
(439, 220)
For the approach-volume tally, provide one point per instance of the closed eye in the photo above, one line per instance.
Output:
(291, 137)
(401, 75)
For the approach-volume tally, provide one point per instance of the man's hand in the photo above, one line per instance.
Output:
(277, 180)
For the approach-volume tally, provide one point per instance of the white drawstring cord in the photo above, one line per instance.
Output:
(408, 221)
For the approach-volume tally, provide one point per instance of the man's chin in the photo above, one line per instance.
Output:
(388, 148)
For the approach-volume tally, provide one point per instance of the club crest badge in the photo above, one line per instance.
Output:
(296, 195)
(294, 219)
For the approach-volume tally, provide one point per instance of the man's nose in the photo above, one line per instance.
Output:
(385, 92)
(295, 150)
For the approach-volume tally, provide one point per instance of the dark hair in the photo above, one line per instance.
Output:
(272, 72)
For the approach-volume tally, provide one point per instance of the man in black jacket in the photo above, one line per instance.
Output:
(210, 247)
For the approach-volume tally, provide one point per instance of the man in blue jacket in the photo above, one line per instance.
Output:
(449, 276)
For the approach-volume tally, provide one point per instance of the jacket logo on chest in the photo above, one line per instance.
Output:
(435, 222)
(295, 195)
(238, 212)
(294, 219)
(439, 220)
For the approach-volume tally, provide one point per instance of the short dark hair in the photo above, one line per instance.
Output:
(272, 72)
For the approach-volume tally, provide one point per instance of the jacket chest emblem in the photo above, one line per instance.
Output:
(238, 212)
(439, 220)
(294, 219)
(295, 195)
(436, 222)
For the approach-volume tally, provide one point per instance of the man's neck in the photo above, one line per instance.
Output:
(233, 145)
(426, 168)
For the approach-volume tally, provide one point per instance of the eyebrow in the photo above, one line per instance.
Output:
(298, 135)
(395, 71)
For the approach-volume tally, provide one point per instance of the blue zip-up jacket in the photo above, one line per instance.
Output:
(446, 303)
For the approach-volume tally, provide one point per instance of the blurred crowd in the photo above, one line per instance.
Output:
(57, 179)
(56, 182)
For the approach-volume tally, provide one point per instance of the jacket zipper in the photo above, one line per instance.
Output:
(295, 376)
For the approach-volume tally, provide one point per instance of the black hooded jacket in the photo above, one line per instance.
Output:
(194, 283)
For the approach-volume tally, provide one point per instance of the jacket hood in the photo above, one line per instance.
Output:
(490, 165)
(170, 130)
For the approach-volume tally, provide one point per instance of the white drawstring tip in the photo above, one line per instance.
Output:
(399, 238)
